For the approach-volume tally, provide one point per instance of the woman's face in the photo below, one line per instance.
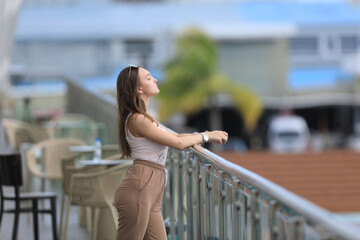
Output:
(148, 86)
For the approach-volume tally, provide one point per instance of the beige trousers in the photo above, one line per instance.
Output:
(138, 201)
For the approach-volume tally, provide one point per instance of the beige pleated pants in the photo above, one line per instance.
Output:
(138, 201)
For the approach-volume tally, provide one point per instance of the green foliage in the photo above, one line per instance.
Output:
(192, 77)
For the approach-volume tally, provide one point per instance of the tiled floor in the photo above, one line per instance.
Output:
(25, 229)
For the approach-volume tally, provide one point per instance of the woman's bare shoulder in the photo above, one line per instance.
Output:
(139, 118)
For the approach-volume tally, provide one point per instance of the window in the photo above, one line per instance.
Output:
(139, 51)
(289, 134)
(349, 44)
(304, 45)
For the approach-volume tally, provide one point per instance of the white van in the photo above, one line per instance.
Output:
(288, 133)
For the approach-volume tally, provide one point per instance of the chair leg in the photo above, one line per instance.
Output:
(35, 219)
(30, 179)
(62, 214)
(114, 215)
(1, 209)
(53, 216)
(89, 216)
(96, 213)
(43, 188)
(65, 231)
(16, 220)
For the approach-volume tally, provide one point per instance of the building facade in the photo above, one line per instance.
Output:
(302, 56)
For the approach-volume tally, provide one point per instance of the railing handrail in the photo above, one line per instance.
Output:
(304, 207)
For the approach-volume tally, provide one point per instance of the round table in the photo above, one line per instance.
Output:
(105, 162)
(82, 149)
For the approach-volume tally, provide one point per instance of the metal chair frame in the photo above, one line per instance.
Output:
(11, 176)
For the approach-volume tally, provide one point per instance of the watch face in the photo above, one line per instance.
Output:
(205, 137)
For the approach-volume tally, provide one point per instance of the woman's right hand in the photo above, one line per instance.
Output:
(218, 137)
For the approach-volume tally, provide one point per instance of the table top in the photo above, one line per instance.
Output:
(104, 162)
(82, 149)
(91, 148)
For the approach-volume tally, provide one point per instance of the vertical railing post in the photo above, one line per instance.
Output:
(222, 199)
(209, 202)
(266, 219)
(236, 210)
(290, 229)
(254, 215)
(244, 213)
(280, 225)
(298, 228)
(172, 195)
(190, 201)
(195, 185)
(273, 226)
(200, 201)
(180, 226)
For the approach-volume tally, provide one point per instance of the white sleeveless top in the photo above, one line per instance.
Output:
(146, 149)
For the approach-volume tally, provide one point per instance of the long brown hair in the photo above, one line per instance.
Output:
(129, 101)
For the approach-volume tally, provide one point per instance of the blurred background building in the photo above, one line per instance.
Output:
(297, 55)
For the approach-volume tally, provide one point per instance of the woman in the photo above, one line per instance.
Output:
(138, 197)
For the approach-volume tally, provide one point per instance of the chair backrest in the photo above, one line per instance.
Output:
(10, 170)
(113, 157)
(36, 133)
(14, 133)
(87, 187)
(68, 167)
(19, 132)
(109, 182)
(54, 150)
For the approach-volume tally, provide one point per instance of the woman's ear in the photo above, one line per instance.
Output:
(140, 90)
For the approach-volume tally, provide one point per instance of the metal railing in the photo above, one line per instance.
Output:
(208, 197)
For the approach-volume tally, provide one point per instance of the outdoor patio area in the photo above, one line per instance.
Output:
(25, 228)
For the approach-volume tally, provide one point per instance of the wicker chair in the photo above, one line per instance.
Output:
(68, 168)
(114, 157)
(49, 166)
(95, 190)
(110, 152)
(19, 132)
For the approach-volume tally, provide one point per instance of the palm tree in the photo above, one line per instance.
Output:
(192, 81)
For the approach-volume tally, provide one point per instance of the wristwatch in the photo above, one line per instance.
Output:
(205, 137)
